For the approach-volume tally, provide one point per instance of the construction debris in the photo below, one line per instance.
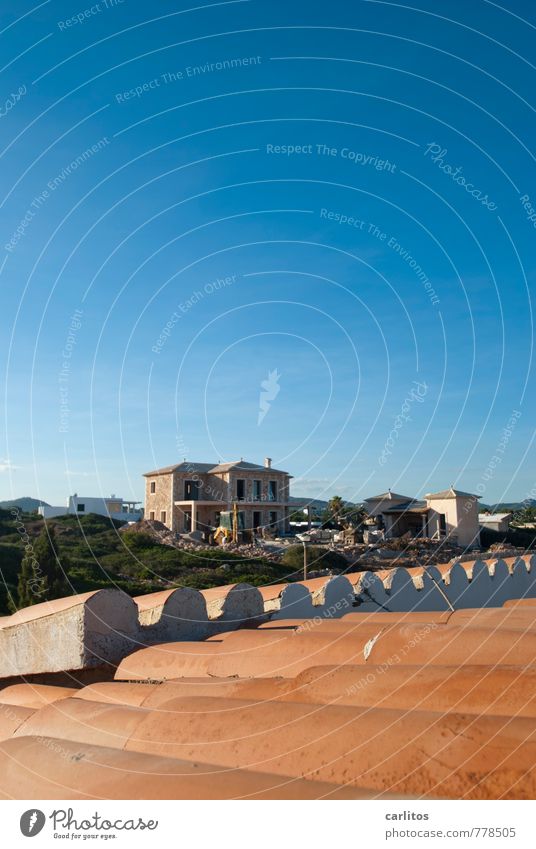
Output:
(405, 551)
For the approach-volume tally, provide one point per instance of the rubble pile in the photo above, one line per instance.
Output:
(404, 551)
(193, 542)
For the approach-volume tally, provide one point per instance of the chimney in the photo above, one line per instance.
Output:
(267, 462)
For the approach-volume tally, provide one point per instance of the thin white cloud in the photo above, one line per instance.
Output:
(7, 466)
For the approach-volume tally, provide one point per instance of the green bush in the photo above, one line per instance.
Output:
(138, 540)
(10, 560)
(317, 558)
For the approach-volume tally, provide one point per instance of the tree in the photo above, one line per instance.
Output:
(525, 515)
(41, 576)
(339, 513)
(332, 513)
(298, 516)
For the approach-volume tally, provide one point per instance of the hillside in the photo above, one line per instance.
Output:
(25, 504)
(94, 554)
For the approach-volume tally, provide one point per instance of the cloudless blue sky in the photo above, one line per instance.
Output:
(179, 190)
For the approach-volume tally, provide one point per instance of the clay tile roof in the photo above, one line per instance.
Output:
(306, 701)
(389, 496)
(209, 468)
(242, 465)
(451, 493)
(185, 466)
(412, 506)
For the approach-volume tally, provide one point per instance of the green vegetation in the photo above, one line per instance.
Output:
(94, 553)
(41, 576)
(518, 537)
(526, 514)
(317, 558)
(339, 513)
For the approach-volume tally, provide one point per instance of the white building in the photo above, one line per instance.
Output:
(79, 505)
(495, 521)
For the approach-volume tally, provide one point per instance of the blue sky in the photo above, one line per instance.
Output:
(193, 198)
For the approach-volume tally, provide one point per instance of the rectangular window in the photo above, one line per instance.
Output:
(240, 490)
(273, 520)
(272, 490)
(257, 490)
(151, 515)
(163, 517)
(442, 522)
(256, 519)
(153, 486)
(81, 508)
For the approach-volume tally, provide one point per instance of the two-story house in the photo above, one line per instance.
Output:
(190, 496)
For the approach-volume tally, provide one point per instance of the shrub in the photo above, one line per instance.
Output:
(137, 540)
(317, 558)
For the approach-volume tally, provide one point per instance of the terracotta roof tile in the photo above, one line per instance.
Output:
(34, 695)
(388, 696)
(53, 768)
(354, 745)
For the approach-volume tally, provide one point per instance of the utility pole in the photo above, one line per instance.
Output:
(304, 560)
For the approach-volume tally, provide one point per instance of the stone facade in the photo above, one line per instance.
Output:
(190, 496)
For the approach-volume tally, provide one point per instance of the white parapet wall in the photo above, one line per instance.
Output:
(73, 633)
(473, 584)
(179, 614)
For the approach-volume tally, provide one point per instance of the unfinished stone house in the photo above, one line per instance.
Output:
(448, 514)
(191, 496)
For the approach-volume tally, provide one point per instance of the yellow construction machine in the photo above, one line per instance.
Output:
(231, 527)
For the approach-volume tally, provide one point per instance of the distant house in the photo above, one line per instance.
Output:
(495, 521)
(79, 505)
(448, 514)
(190, 496)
